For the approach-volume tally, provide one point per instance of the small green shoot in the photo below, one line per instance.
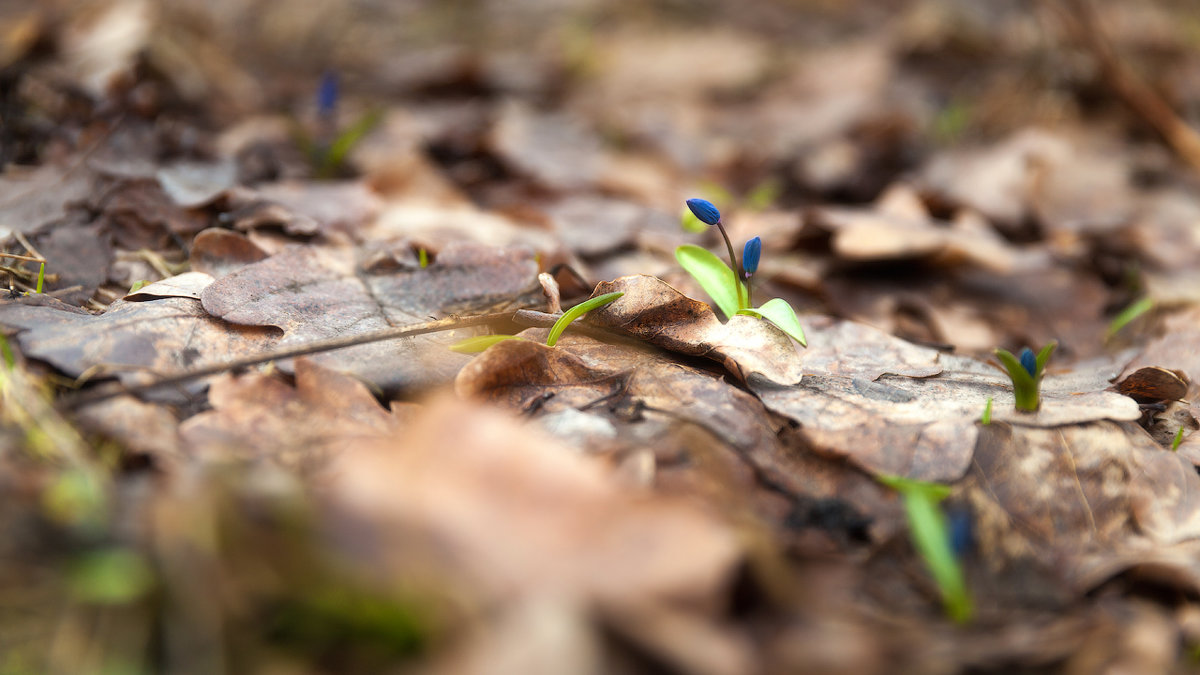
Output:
(986, 418)
(137, 286)
(331, 160)
(931, 536)
(1178, 439)
(477, 344)
(41, 277)
(1026, 374)
(577, 311)
(6, 352)
(1128, 315)
(422, 258)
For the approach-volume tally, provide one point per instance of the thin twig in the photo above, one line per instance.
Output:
(341, 342)
(26, 258)
(1140, 97)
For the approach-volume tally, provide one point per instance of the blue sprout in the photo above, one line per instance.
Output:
(750, 255)
(1029, 361)
(327, 94)
(705, 211)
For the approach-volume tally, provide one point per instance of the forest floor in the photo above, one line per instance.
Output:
(239, 240)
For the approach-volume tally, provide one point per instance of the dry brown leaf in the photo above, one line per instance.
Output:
(312, 294)
(522, 519)
(135, 341)
(258, 417)
(652, 311)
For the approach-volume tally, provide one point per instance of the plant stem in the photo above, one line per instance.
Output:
(736, 266)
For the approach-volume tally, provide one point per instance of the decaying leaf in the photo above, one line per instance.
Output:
(255, 416)
(653, 311)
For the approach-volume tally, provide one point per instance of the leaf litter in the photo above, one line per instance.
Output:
(662, 489)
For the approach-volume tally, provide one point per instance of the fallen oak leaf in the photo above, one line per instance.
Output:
(655, 312)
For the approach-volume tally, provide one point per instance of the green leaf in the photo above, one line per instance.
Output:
(41, 277)
(1016, 372)
(137, 286)
(345, 142)
(1044, 356)
(474, 345)
(1178, 439)
(987, 413)
(931, 537)
(763, 195)
(577, 311)
(1128, 315)
(713, 275)
(780, 313)
(423, 258)
(751, 312)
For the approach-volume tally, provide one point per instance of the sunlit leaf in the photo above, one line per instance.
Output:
(713, 275)
(780, 313)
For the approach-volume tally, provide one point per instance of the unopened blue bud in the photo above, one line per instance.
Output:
(705, 211)
(750, 255)
(1029, 361)
(327, 94)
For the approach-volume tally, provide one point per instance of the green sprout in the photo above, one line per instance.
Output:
(577, 311)
(41, 277)
(931, 536)
(137, 286)
(986, 418)
(423, 258)
(474, 345)
(728, 288)
(1178, 439)
(1026, 373)
(1128, 315)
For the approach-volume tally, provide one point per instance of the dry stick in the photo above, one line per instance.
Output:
(1134, 92)
(449, 323)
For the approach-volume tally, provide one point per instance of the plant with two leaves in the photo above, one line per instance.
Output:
(1026, 372)
(934, 540)
(327, 149)
(474, 345)
(729, 288)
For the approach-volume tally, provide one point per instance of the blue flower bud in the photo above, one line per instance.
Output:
(327, 94)
(705, 211)
(1029, 361)
(750, 255)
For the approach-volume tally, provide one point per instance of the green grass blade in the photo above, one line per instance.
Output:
(1128, 315)
(474, 345)
(780, 313)
(987, 413)
(577, 311)
(713, 275)
(931, 537)
(1178, 439)
(345, 142)
(41, 277)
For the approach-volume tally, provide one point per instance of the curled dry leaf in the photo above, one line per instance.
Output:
(654, 312)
